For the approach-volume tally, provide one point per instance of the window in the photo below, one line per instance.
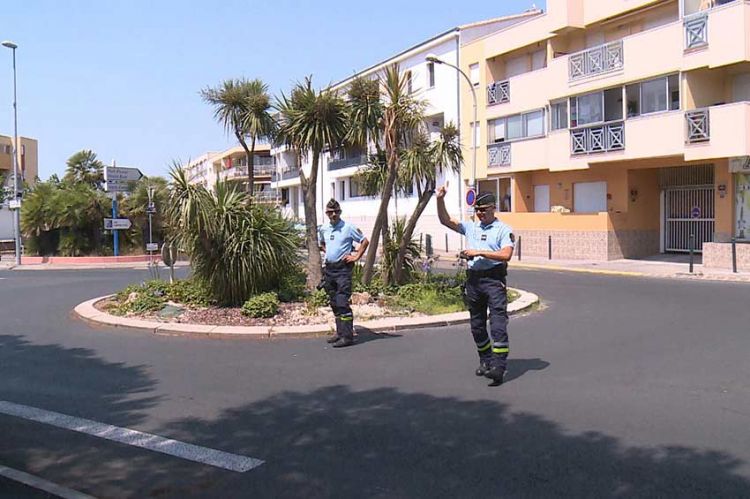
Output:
(430, 75)
(409, 87)
(559, 115)
(517, 126)
(596, 107)
(342, 186)
(673, 89)
(590, 197)
(474, 74)
(613, 104)
(633, 96)
(589, 109)
(541, 198)
(354, 188)
(333, 190)
(539, 60)
(652, 96)
(476, 129)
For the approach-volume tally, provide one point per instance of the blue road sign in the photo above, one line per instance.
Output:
(471, 196)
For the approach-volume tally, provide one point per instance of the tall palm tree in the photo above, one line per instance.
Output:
(244, 108)
(83, 167)
(402, 116)
(310, 122)
(421, 163)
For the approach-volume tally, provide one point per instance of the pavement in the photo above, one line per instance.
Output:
(617, 387)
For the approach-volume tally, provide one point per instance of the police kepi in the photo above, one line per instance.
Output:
(337, 239)
(490, 246)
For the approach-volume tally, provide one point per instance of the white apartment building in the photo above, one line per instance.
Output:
(200, 170)
(438, 85)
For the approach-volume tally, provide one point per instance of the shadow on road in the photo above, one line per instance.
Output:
(365, 335)
(334, 442)
(519, 367)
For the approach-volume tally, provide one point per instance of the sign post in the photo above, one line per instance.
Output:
(118, 179)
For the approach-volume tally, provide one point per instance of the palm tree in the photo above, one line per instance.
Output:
(421, 163)
(402, 116)
(84, 168)
(310, 122)
(243, 107)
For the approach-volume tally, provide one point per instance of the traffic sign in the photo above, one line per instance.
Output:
(14, 204)
(471, 196)
(119, 178)
(695, 212)
(116, 223)
(152, 246)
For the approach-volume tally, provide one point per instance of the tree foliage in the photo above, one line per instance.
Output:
(83, 167)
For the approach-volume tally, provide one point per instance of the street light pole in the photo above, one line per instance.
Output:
(433, 59)
(17, 211)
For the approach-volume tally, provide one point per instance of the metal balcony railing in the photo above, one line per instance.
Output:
(598, 138)
(498, 92)
(596, 60)
(696, 31)
(697, 126)
(338, 164)
(266, 196)
(498, 155)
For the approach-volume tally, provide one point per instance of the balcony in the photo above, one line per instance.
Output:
(595, 61)
(598, 138)
(498, 154)
(696, 31)
(697, 126)
(338, 164)
(266, 196)
(498, 92)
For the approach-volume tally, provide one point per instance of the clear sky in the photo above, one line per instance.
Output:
(122, 77)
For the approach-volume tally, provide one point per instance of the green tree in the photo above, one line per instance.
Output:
(244, 108)
(310, 122)
(135, 205)
(83, 167)
(236, 248)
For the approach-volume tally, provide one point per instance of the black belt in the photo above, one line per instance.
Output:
(496, 271)
(341, 264)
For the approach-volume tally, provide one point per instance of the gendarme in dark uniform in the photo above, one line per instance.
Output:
(490, 245)
(337, 238)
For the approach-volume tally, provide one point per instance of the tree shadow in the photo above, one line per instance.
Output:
(335, 442)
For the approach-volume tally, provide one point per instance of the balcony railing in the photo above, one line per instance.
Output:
(498, 92)
(266, 196)
(598, 138)
(696, 31)
(498, 155)
(596, 60)
(338, 164)
(697, 126)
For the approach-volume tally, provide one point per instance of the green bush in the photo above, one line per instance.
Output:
(292, 285)
(262, 305)
(189, 292)
(146, 302)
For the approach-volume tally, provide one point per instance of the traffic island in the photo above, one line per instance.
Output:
(89, 312)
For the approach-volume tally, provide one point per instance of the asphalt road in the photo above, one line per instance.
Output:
(618, 387)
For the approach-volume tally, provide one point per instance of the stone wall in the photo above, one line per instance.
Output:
(590, 245)
(632, 244)
(719, 255)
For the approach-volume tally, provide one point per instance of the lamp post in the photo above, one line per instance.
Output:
(434, 59)
(17, 211)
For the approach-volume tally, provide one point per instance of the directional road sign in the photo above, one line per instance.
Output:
(119, 178)
(116, 223)
(152, 246)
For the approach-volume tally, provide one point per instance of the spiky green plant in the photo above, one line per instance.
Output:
(237, 250)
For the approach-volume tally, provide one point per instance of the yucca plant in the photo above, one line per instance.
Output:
(391, 259)
(237, 249)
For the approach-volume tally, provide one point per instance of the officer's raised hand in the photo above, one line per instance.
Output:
(441, 191)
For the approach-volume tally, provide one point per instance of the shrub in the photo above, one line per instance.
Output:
(189, 292)
(316, 299)
(262, 305)
(292, 285)
(145, 302)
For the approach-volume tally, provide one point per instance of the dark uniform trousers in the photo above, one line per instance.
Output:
(338, 284)
(485, 289)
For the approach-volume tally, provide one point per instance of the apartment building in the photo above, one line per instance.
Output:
(438, 85)
(619, 128)
(231, 166)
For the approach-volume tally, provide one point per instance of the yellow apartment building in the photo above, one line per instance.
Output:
(617, 128)
(28, 158)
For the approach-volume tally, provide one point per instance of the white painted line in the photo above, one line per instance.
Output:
(205, 455)
(42, 484)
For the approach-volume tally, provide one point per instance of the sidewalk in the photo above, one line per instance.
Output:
(11, 265)
(660, 266)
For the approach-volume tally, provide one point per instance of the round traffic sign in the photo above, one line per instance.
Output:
(471, 196)
(695, 212)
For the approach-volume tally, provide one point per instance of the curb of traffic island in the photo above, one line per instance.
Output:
(535, 266)
(89, 313)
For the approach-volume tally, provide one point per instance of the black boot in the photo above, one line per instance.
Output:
(343, 341)
(483, 367)
(333, 339)
(496, 374)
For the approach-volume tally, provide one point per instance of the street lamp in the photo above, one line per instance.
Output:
(434, 59)
(17, 211)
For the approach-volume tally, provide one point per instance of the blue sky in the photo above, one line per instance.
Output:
(122, 78)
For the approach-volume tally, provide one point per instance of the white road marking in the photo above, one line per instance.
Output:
(42, 484)
(205, 455)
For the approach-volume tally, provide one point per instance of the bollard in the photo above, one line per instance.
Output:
(692, 247)
(549, 247)
(519, 248)
(428, 245)
(420, 243)
(446, 242)
(734, 255)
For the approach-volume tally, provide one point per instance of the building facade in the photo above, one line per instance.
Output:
(28, 164)
(617, 129)
(438, 86)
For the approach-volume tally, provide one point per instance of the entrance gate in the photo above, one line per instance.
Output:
(688, 207)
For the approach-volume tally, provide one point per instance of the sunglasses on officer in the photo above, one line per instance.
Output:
(331, 212)
(482, 209)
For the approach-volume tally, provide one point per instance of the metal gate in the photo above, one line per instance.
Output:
(688, 207)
